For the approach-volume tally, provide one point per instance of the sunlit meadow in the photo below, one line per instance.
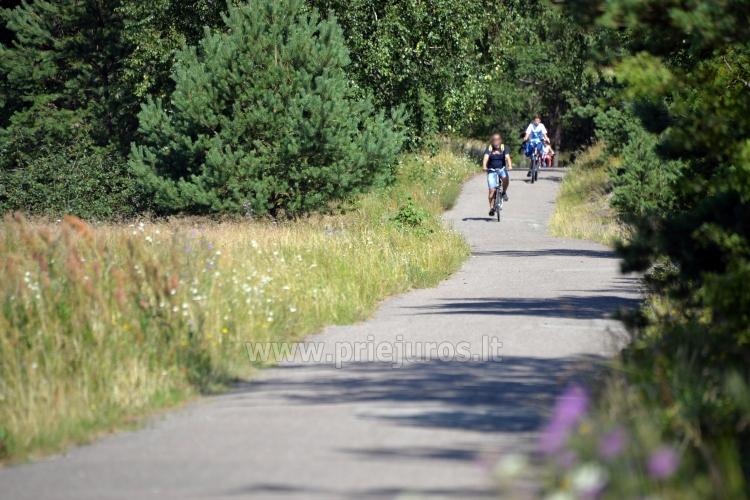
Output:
(103, 323)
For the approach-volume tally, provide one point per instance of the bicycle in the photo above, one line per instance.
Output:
(536, 164)
(498, 192)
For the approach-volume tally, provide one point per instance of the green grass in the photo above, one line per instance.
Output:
(582, 210)
(100, 325)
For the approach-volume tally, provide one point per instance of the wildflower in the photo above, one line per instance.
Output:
(292, 309)
(560, 495)
(663, 463)
(571, 406)
(612, 443)
(225, 330)
(149, 239)
(567, 459)
(589, 480)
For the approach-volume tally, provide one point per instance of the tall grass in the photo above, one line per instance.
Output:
(103, 323)
(582, 210)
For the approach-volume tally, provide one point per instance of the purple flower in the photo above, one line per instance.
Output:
(567, 459)
(570, 407)
(612, 443)
(663, 462)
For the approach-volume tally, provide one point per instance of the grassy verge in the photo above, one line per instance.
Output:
(582, 210)
(102, 324)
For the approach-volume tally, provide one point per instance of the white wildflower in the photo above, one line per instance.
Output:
(589, 478)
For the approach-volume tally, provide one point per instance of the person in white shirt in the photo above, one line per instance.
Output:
(535, 137)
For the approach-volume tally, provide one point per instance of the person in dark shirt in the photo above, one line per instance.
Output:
(497, 162)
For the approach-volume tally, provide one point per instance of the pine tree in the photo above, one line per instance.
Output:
(263, 119)
(72, 77)
(61, 68)
(60, 106)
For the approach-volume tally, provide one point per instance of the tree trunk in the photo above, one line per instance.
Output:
(557, 131)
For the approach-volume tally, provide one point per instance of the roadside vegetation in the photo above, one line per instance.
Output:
(671, 419)
(103, 323)
(582, 208)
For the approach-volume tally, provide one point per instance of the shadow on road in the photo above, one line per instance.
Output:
(550, 252)
(543, 178)
(502, 395)
(565, 306)
(514, 395)
(483, 219)
(269, 490)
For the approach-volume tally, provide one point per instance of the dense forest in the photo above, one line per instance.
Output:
(115, 108)
(107, 88)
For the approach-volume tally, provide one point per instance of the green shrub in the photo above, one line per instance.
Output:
(411, 216)
(643, 182)
(74, 177)
(263, 119)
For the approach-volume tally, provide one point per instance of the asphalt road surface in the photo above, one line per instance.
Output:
(529, 311)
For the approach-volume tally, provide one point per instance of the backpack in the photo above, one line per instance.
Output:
(501, 149)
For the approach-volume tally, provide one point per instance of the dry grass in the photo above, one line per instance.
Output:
(582, 210)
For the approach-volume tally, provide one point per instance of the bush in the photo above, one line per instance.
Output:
(74, 177)
(411, 216)
(263, 119)
(644, 183)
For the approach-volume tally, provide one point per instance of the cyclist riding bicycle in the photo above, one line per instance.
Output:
(496, 162)
(535, 138)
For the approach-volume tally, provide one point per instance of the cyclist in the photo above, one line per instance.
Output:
(496, 162)
(549, 155)
(535, 138)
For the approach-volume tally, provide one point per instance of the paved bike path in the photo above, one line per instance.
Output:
(369, 430)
